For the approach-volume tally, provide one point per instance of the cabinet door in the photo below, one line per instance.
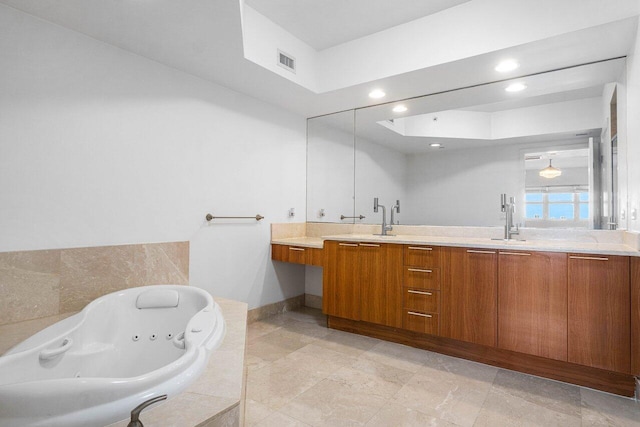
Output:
(471, 296)
(380, 267)
(532, 303)
(599, 312)
(341, 289)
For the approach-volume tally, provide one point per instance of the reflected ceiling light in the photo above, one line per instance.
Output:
(399, 109)
(506, 66)
(550, 171)
(435, 145)
(376, 93)
(516, 87)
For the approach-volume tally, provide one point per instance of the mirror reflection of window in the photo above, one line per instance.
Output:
(562, 200)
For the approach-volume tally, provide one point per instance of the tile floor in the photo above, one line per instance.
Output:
(302, 374)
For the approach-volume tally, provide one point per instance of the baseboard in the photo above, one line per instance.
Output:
(313, 301)
(279, 307)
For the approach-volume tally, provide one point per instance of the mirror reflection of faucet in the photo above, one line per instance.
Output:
(386, 227)
(509, 208)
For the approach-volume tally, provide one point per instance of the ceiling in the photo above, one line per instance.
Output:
(204, 38)
(327, 23)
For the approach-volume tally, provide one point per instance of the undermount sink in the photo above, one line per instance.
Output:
(512, 241)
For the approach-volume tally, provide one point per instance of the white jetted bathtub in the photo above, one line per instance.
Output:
(124, 348)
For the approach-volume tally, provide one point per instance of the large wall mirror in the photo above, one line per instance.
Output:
(330, 167)
(557, 146)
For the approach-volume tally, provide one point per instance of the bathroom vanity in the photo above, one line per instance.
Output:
(533, 307)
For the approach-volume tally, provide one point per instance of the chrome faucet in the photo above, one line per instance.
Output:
(395, 208)
(135, 414)
(509, 209)
(385, 226)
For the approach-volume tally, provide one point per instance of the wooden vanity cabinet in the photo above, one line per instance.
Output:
(471, 296)
(532, 303)
(297, 254)
(569, 317)
(599, 303)
(362, 281)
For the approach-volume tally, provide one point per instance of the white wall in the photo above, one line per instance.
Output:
(462, 187)
(380, 172)
(101, 147)
(633, 133)
(330, 161)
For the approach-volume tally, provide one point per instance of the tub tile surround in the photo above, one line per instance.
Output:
(43, 283)
(615, 242)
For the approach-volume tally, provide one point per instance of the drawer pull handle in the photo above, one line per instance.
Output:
(419, 292)
(475, 251)
(419, 270)
(348, 244)
(296, 249)
(370, 245)
(413, 313)
(594, 258)
(514, 253)
(419, 248)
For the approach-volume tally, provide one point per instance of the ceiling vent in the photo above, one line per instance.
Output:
(286, 61)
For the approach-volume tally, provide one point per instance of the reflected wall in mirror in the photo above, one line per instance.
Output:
(330, 167)
(447, 157)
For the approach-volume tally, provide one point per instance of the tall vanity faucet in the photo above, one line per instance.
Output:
(509, 209)
(395, 208)
(385, 227)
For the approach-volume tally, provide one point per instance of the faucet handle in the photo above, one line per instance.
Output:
(397, 206)
(375, 204)
(135, 414)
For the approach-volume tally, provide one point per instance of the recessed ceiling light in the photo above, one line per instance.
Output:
(516, 87)
(399, 109)
(506, 66)
(435, 145)
(376, 93)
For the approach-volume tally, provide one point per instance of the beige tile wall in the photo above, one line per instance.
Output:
(36, 284)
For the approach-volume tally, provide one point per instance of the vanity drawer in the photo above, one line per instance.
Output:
(297, 254)
(422, 300)
(421, 256)
(422, 278)
(416, 321)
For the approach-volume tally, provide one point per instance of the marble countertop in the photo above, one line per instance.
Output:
(470, 242)
(307, 242)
